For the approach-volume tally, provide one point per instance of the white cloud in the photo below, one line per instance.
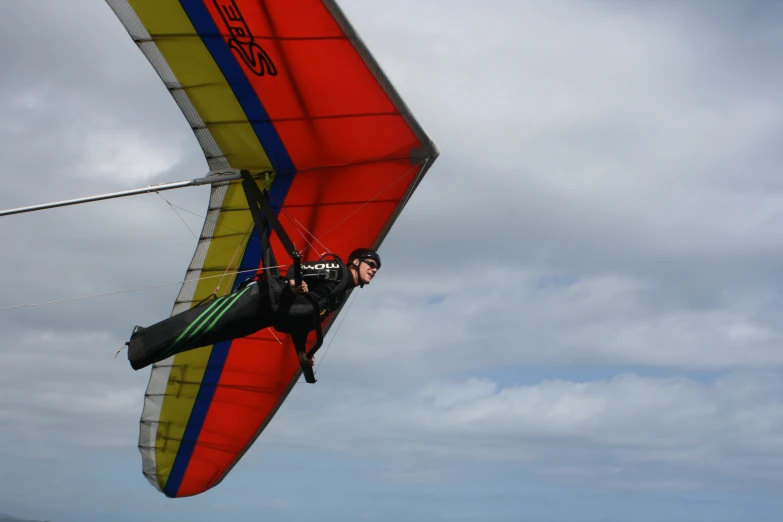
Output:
(649, 432)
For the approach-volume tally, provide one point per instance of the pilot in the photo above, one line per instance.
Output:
(267, 301)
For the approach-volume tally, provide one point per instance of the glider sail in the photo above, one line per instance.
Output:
(285, 88)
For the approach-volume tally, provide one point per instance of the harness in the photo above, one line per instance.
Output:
(287, 311)
(278, 291)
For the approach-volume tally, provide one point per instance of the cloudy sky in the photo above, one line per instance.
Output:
(578, 319)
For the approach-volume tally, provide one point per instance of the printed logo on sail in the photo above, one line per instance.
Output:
(241, 40)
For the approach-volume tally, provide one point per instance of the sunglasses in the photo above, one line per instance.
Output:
(370, 263)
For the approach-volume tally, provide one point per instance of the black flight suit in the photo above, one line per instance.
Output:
(264, 302)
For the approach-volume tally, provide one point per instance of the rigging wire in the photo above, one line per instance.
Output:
(149, 287)
(302, 227)
(239, 261)
(236, 251)
(299, 227)
(407, 172)
(342, 320)
(178, 214)
(316, 239)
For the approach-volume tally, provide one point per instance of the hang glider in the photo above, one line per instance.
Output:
(285, 90)
(280, 87)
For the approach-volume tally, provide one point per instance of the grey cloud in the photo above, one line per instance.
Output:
(62, 393)
(607, 195)
(491, 316)
(675, 432)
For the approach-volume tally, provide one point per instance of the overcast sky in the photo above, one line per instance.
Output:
(578, 316)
